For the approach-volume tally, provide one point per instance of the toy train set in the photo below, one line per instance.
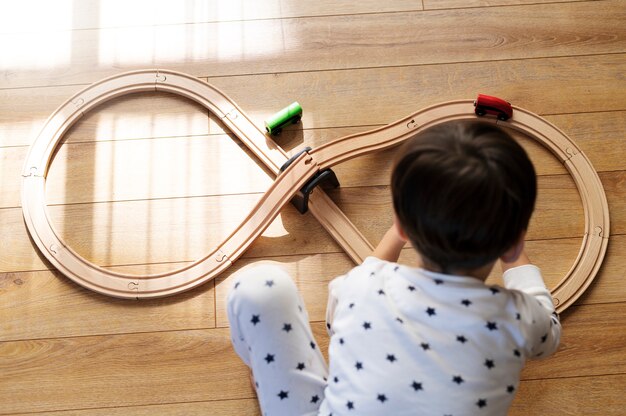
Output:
(297, 177)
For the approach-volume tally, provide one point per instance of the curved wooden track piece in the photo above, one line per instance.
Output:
(131, 286)
(286, 185)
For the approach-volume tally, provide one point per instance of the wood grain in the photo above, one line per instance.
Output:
(23, 113)
(154, 169)
(596, 331)
(239, 407)
(126, 363)
(313, 273)
(558, 214)
(97, 171)
(599, 135)
(138, 182)
(95, 14)
(137, 369)
(185, 229)
(357, 102)
(533, 84)
(571, 396)
(459, 4)
(59, 307)
(84, 171)
(610, 284)
(561, 394)
(616, 185)
(325, 43)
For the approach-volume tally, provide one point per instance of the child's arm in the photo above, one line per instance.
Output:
(390, 246)
(541, 323)
(521, 261)
(388, 249)
(527, 279)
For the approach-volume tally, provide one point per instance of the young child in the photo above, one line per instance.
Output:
(426, 340)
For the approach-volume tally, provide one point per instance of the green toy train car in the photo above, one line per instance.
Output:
(290, 114)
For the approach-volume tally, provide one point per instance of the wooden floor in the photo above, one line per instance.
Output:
(151, 182)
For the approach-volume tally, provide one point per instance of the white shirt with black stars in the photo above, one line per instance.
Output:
(406, 341)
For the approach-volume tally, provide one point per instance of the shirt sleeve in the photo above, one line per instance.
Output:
(333, 299)
(334, 287)
(539, 321)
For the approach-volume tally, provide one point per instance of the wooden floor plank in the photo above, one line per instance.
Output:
(597, 332)
(179, 167)
(137, 369)
(167, 230)
(357, 103)
(332, 42)
(459, 4)
(214, 219)
(90, 14)
(139, 116)
(597, 396)
(313, 273)
(610, 283)
(185, 229)
(80, 169)
(357, 96)
(126, 363)
(189, 166)
(599, 135)
(23, 113)
(60, 308)
(353, 66)
(571, 396)
(239, 407)
(18, 250)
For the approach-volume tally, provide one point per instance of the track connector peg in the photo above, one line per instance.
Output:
(327, 178)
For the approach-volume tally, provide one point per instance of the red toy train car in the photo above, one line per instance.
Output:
(486, 104)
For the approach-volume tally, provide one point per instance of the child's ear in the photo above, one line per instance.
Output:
(515, 251)
(399, 229)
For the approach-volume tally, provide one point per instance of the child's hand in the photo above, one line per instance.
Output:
(520, 261)
(390, 245)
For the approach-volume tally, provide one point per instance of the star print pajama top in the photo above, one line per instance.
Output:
(404, 341)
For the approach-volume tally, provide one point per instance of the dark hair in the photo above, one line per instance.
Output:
(463, 193)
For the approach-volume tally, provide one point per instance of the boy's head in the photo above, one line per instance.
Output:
(463, 193)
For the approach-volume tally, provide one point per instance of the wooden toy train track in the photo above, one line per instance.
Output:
(299, 172)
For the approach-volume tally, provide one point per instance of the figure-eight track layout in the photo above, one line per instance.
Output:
(298, 172)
